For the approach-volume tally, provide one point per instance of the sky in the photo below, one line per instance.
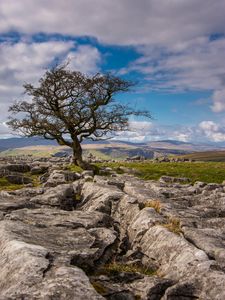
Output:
(173, 49)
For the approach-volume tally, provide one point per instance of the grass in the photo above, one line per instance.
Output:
(74, 168)
(116, 268)
(173, 225)
(156, 204)
(100, 289)
(7, 186)
(216, 156)
(197, 171)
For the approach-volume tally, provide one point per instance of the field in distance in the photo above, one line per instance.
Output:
(217, 156)
(209, 172)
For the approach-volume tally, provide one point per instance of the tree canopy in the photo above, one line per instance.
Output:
(68, 106)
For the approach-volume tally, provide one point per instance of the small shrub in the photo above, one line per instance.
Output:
(100, 289)
(74, 168)
(156, 204)
(115, 268)
(6, 185)
(174, 226)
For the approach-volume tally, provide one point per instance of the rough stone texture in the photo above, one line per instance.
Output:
(49, 234)
(61, 196)
(18, 179)
(58, 177)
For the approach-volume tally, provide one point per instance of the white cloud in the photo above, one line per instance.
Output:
(123, 22)
(206, 131)
(199, 66)
(26, 62)
(219, 100)
(212, 131)
(145, 131)
(86, 59)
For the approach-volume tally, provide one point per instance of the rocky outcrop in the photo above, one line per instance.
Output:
(112, 238)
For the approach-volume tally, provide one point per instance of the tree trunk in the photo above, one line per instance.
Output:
(77, 156)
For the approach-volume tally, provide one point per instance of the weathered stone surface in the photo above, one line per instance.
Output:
(140, 224)
(61, 196)
(21, 168)
(212, 241)
(174, 229)
(26, 274)
(18, 179)
(10, 203)
(173, 253)
(58, 177)
(99, 197)
(45, 217)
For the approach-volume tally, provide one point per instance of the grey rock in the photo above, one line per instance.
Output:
(18, 179)
(20, 168)
(61, 196)
(87, 173)
(58, 177)
(99, 198)
(26, 268)
(45, 217)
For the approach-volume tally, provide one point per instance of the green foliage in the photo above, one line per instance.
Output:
(173, 225)
(116, 268)
(5, 185)
(100, 289)
(74, 168)
(216, 156)
(197, 171)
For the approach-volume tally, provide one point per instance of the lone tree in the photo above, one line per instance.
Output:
(68, 106)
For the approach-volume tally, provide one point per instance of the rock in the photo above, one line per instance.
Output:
(116, 229)
(212, 241)
(170, 179)
(99, 198)
(29, 271)
(87, 173)
(176, 256)
(37, 170)
(20, 168)
(45, 217)
(18, 179)
(58, 177)
(61, 196)
(61, 154)
(115, 181)
(140, 224)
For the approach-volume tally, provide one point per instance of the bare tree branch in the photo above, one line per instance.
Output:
(68, 106)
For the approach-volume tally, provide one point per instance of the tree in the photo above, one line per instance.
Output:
(68, 106)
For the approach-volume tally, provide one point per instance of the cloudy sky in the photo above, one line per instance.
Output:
(174, 49)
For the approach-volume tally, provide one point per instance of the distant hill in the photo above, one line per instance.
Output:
(109, 148)
(217, 156)
(12, 143)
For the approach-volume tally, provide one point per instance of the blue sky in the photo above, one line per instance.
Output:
(175, 50)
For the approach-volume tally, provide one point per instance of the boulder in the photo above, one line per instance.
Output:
(58, 177)
(20, 168)
(18, 179)
(61, 196)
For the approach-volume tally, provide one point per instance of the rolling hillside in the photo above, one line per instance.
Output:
(217, 156)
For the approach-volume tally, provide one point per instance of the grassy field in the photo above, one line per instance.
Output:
(197, 171)
(217, 156)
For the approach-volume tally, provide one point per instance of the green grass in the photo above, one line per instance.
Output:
(216, 156)
(196, 171)
(22, 152)
(74, 168)
(116, 268)
(7, 186)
